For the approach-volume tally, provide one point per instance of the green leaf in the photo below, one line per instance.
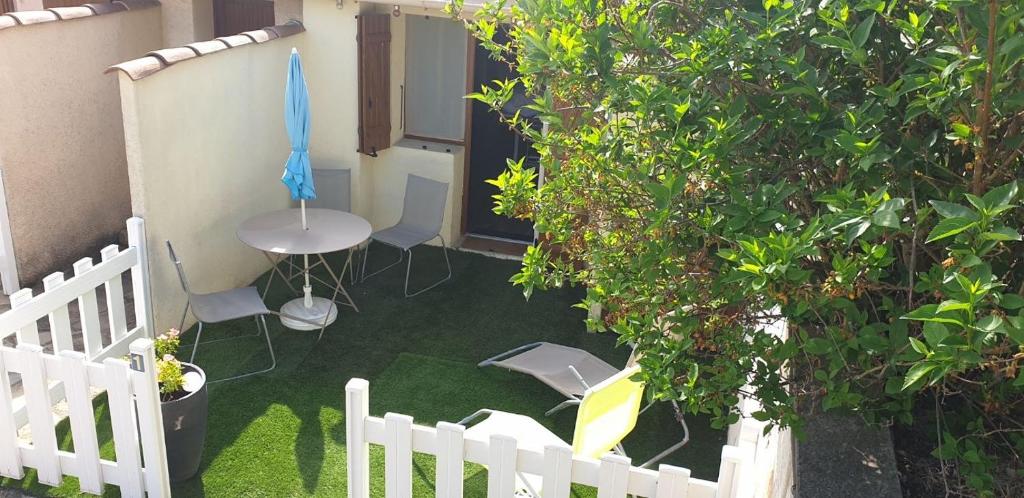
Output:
(1001, 196)
(863, 31)
(951, 210)
(834, 42)
(918, 345)
(817, 346)
(917, 373)
(961, 130)
(990, 323)
(930, 313)
(1000, 234)
(934, 333)
(949, 227)
(1011, 301)
(952, 305)
(886, 218)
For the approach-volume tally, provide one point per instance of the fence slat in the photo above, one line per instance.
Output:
(501, 471)
(614, 477)
(60, 319)
(40, 416)
(10, 457)
(398, 456)
(89, 312)
(83, 421)
(29, 334)
(450, 446)
(357, 407)
(140, 276)
(673, 482)
(557, 478)
(151, 427)
(115, 299)
(122, 423)
(730, 471)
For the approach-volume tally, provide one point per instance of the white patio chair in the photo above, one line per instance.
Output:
(333, 191)
(422, 214)
(223, 306)
(572, 372)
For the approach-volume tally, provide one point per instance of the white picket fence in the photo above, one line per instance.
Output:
(70, 375)
(612, 475)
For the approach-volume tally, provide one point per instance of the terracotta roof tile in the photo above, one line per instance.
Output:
(160, 59)
(236, 40)
(105, 8)
(139, 68)
(208, 47)
(7, 21)
(65, 13)
(287, 29)
(33, 16)
(170, 56)
(259, 35)
(138, 4)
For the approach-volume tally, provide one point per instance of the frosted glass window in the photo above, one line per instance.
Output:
(435, 77)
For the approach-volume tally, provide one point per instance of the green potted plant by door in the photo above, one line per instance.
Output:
(183, 403)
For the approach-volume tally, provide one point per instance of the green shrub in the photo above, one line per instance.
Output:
(852, 164)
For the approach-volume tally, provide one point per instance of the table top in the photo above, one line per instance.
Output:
(281, 231)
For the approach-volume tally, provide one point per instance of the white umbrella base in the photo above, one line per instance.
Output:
(322, 308)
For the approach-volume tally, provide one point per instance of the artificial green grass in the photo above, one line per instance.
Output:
(283, 433)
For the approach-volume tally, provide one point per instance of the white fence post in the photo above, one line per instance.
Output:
(449, 472)
(398, 456)
(29, 334)
(673, 482)
(83, 421)
(60, 318)
(89, 312)
(357, 408)
(731, 472)
(140, 277)
(10, 456)
(122, 424)
(557, 477)
(501, 472)
(614, 476)
(151, 428)
(38, 401)
(115, 299)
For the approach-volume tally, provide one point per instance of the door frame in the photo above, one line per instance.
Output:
(468, 131)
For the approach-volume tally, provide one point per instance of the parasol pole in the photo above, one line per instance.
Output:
(306, 289)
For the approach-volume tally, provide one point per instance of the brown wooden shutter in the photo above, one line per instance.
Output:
(374, 83)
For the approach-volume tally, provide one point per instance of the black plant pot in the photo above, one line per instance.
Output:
(185, 429)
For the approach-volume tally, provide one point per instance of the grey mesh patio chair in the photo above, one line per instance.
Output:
(223, 306)
(571, 372)
(333, 191)
(422, 214)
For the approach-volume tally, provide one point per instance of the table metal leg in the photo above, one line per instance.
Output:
(275, 269)
(338, 287)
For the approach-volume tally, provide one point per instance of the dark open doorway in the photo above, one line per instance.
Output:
(492, 143)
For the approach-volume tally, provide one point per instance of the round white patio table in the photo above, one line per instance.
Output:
(279, 235)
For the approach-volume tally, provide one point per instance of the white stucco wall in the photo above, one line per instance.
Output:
(186, 21)
(206, 146)
(61, 143)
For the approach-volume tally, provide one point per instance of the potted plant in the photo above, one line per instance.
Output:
(183, 403)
